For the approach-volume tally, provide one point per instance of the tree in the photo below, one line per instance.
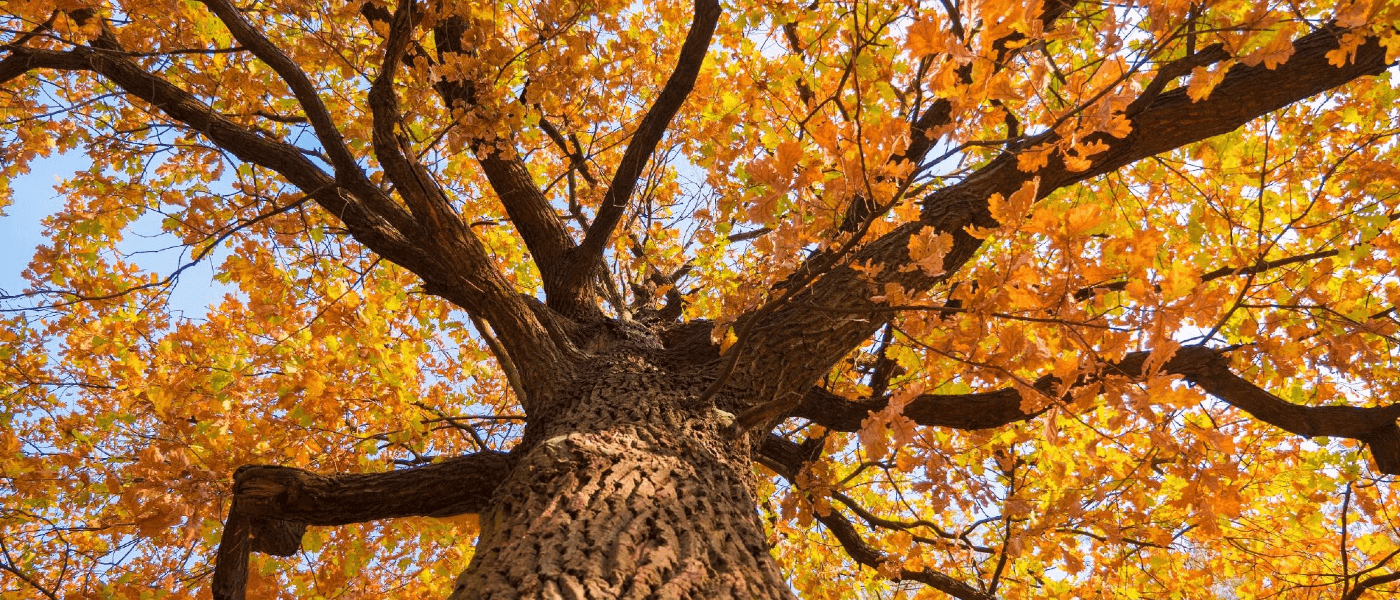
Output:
(597, 300)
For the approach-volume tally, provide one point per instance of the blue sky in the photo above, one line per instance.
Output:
(22, 230)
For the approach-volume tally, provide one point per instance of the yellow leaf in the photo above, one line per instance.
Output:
(925, 38)
(728, 340)
(927, 249)
(1034, 158)
(1082, 220)
(315, 384)
(1012, 210)
(1204, 79)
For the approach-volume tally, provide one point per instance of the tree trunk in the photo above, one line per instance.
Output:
(627, 488)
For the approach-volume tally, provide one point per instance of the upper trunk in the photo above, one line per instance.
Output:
(626, 488)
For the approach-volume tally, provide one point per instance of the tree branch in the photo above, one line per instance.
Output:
(1370, 582)
(424, 197)
(530, 212)
(532, 215)
(786, 458)
(347, 171)
(379, 230)
(1169, 121)
(940, 113)
(1260, 266)
(1172, 119)
(575, 155)
(7, 567)
(1201, 366)
(986, 410)
(273, 505)
(467, 271)
(231, 560)
(587, 261)
(456, 269)
(454, 486)
(1374, 425)
(513, 377)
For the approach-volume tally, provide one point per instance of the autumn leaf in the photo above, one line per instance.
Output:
(927, 249)
(1204, 79)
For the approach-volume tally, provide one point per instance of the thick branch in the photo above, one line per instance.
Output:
(986, 410)
(1368, 583)
(530, 212)
(1169, 121)
(1204, 367)
(430, 206)
(231, 561)
(371, 227)
(463, 277)
(453, 486)
(347, 171)
(1375, 425)
(586, 262)
(1173, 120)
(467, 269)
(273, 505)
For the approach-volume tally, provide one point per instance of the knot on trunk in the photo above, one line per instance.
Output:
(553, 454)
(261, 491)
(267, 489)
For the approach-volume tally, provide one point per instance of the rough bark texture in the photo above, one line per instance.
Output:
(454, 486)
(630, 489)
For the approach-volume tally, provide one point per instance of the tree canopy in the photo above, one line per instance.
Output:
(1046, 298)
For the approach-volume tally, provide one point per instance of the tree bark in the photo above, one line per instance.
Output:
(630, 488)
